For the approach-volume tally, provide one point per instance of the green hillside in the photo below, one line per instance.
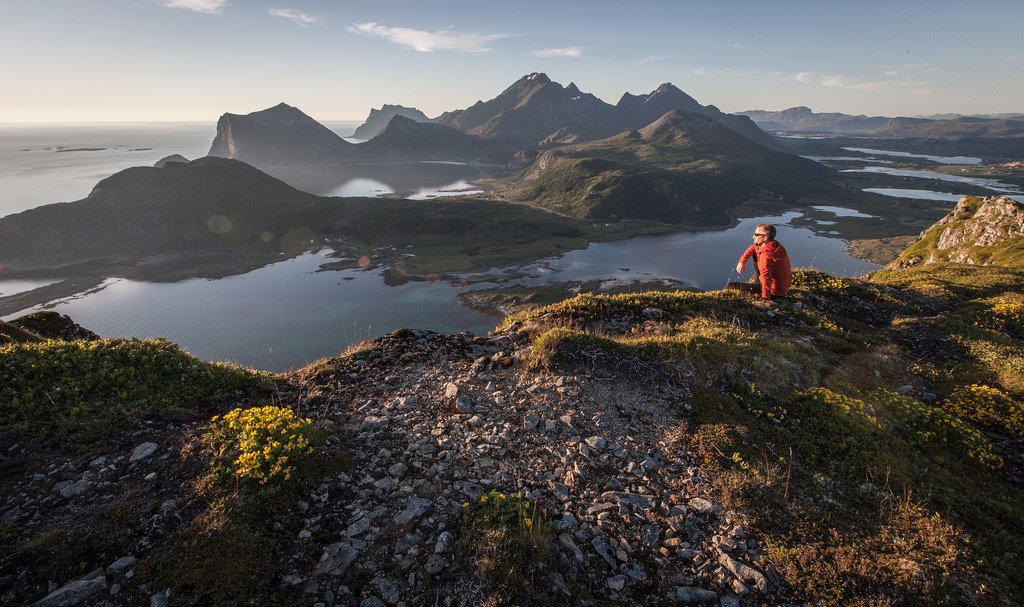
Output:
(684, 169)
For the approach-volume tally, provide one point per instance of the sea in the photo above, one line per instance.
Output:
(285, 315)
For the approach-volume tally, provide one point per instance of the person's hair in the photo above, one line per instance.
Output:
(767, 227)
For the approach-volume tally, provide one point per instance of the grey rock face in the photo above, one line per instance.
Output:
(414, 509)
(142, 452)
(73, 593)
(337, 559)
(691, 595)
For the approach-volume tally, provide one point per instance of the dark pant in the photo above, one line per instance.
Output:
(751, 288)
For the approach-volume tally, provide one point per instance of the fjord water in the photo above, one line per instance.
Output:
(288, 314)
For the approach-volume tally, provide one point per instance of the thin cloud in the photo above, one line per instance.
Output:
(572, 51)
(654, 58)
(1015, 57)
(910, 68)
(730, 73)
(837, 81)
(428, 42)
(212, 7)
(298, 17)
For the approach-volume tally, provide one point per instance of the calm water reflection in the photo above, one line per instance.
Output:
(278, 317)
(287, 314)
(702, 259)
(405, 178)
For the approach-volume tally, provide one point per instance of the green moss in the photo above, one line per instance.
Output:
(512, 545)
(81, 392)
(233, 565)
(954, 279)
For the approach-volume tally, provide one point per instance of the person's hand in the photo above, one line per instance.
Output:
(739, 268)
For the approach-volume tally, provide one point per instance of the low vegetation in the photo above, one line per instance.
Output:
(511, 543)
(869, 429)
(81, 392)
(254, 465)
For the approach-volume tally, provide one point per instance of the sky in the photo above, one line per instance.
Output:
(193, 60)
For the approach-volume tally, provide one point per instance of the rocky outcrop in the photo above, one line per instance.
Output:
(979, 231)
(52, 325)
(378, 119)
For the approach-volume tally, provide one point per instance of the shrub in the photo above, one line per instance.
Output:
(926, 427)
(262, 443)
(988, 408)
(756, 402)
(816, 280)
(1005, 315)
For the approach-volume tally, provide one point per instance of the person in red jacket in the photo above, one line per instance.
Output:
(772, 263)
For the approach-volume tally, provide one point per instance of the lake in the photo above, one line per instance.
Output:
(994, 185)
(288, 314)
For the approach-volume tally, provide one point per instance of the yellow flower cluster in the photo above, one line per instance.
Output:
(1008, 314)
(265, 441)
(853, 407)
(988, 407)
(820, 281)
(1009, 309)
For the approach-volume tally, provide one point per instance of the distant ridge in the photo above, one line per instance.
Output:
(279, 136)
(403, 138)
(535, 111)
(803, 119)
(378, 119)
(941, 127)
(684, 168)
(284, 136)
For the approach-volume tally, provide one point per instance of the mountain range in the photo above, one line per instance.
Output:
(533, 112)
(284, 136)
(536, 112)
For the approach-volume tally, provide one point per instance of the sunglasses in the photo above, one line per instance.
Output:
(756, 234)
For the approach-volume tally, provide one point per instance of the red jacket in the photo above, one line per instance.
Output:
(772, 268)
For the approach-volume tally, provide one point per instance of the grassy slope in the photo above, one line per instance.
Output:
(862, 494)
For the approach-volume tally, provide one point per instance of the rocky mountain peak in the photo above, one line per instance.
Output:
(378, 119)
(978, 231)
